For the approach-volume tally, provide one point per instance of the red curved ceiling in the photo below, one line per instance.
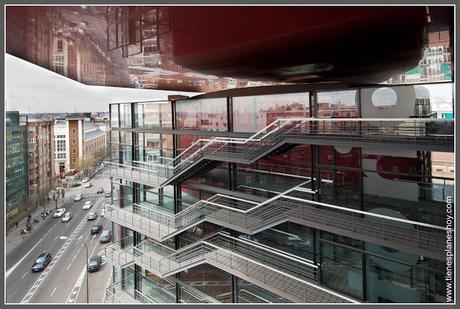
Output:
(298, 43)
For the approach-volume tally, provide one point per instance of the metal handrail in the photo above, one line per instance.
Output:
(117, 254)
(198, 210)
(275, 132)
(218, 246)
(112, 292)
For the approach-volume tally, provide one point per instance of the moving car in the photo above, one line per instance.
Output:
(92, 215)
(96, 228)
(41, 262)
(67, 216)
(94, 263)
(86, 179)
(108, 194)
(106, 236)
(59, 213)
(100, 190)
(88, 185)
(78, 197)
(88, 205)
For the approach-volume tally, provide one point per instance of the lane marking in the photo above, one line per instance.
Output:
(77, 285)
(53, 291)
(39, 282)
(84, 272)
(20, 261)
(68, 267)
(25, 274)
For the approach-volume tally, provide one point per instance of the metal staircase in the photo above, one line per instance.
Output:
(292, 205)
(419, 132)
(290, 277)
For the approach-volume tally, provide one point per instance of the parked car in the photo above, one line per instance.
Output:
(106, 236)
(74, 184)
(86, 179)
(88, 205)
(41, 262)
(78, 197)
(58, 213)
(67, 216)
(96, 228)
(88, 185)
(92, 215)
(94, 263)
(100, 190)
(108, 194)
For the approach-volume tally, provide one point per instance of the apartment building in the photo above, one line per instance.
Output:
(284, 194)
(76, 138)
(16, 178)
(40, 154)
(95, 139)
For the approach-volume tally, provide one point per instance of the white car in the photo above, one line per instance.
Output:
(59, 213)
(88, 205)
(78, 197)
(67, 216)
(88, 185)
(86, 179)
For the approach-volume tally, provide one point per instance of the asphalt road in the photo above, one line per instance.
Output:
(66, 280)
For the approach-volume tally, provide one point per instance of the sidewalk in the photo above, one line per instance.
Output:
(14, 237)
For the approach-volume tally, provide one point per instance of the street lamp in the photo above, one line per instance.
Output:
(111, 190)
(87, 274)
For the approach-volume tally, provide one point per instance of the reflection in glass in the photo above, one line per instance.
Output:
(250, 293)
(253, 113)
(206, 114)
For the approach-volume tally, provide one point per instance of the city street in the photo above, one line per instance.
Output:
(64, 280)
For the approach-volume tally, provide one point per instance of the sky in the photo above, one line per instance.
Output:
(32, 89)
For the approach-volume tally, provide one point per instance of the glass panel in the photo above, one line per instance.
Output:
(337, 104)
(210, 280)
(206, 114)
(114, 121)
(153, 288)
(213, 176)
(125, 196)
(288, 237)
(413, 279)
(252, 113)
(125, 115)
(341, 269)
(166, 115)
(189, 196)
(161, 199)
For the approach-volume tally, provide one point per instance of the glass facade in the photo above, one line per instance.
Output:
(16, 171)
(253, 113)
(204, 115)
(290, 209)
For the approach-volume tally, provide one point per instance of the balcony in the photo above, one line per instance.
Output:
(410, 133)
(119, 253)
(285, 275)
(250, 218)
(115, 294)
(123, 257)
